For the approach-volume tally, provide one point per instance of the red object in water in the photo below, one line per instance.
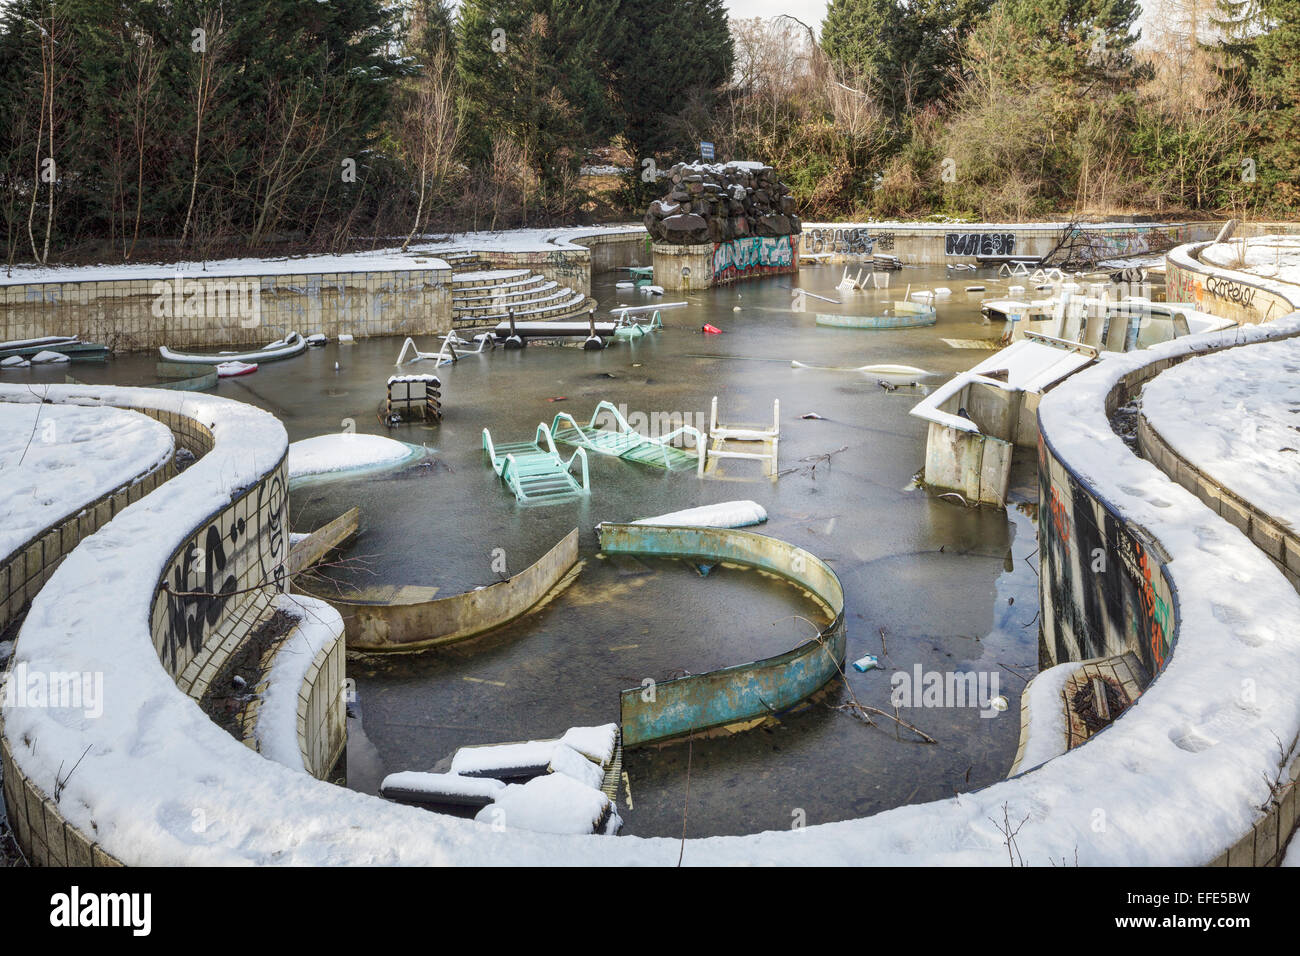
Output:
(558, 398)
(710, 330)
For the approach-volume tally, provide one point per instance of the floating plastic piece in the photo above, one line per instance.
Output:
(864, 664)
(813, 416)
(235, 369)
(287, 347)
(726, 514)
(710, 330)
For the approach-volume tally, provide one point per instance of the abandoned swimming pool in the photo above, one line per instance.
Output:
(952, 589)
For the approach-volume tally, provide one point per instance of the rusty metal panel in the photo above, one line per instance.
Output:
(743, 691)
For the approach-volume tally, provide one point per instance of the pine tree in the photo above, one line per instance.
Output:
(906, 50)
(534, 71)
(669, 56)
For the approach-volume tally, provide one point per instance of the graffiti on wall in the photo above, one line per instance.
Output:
(754, 256)
(1140, 240)
(850, 240)
(1231, 290)
(1104, 591)
(244, 547)
(979, 244)
(1181, 285)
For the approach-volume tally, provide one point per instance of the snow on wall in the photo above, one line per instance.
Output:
(1221, 291)
(1232, 415)
(1175, 781)
(57, 459)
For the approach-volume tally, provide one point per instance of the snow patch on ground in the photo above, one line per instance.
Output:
(1236, 416)
(56, 459)
(1269, 257)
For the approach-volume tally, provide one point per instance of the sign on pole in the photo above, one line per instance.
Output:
(706, 152)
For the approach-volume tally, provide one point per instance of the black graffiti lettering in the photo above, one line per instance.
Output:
(979, 244)
(1230, 290)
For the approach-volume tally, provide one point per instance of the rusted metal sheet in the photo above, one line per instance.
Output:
(743, 691)
(409, 618)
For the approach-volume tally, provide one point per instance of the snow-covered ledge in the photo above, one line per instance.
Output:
(1242, 296)
(1177, 780)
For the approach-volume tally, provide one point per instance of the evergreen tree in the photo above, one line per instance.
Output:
(1275, 78)
(534, 71)
(907, 51)
(669, 56)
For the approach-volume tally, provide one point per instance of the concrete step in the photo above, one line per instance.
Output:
(496, 306)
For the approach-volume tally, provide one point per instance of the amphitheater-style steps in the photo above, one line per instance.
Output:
(486, 297)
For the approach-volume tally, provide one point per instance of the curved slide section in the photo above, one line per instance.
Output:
(743, 691)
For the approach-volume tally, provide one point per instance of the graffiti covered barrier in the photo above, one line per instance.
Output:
(1104, 588)
(754, 256)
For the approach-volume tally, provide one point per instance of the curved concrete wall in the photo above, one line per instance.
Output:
(1239, 296)
(210, 593)
(410, 619)
(25, 571)
(744, 691)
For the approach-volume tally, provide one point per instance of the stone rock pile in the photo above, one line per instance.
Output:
(718, 203)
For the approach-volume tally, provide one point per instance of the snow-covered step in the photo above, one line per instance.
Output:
(505, 295)
(569, 306)
(488, 277)
(517, 285)
(496, 306)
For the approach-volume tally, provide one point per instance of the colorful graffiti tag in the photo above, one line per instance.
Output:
(1103, 590)
(1117, 243)
(754, 256)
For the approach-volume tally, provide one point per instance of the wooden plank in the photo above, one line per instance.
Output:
(321, 542)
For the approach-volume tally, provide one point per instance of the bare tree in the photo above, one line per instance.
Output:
(49, 35)
(431, 131)
(208, 42)
(144, 65)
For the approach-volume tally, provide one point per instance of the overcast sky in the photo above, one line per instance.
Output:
(810, 12)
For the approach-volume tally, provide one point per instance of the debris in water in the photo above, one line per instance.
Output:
(813, 416)
(864, 664)
(710, 330)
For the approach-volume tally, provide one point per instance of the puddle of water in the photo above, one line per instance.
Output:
(932, 574)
